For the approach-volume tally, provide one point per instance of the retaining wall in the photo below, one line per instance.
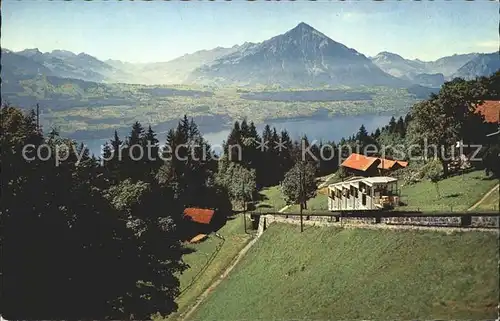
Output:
(431, 221)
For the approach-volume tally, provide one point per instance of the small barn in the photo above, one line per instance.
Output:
(199, 221)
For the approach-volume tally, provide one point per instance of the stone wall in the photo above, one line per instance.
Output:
(431, 221)
(485, 221)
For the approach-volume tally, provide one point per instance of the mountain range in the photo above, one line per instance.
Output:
(301, 57)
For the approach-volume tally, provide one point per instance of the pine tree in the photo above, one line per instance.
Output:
(244, 128)
(400, 128)
(233, 144)
(151, 159)
(392, 125)
(286, 154)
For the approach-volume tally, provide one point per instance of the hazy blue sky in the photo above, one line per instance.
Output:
(159, 31)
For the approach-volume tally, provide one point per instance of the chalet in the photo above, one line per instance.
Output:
(361, 165)
(363, 193)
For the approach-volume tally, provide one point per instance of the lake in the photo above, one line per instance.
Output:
(317, 127)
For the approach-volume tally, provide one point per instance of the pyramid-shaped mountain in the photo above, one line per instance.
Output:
(302, 56)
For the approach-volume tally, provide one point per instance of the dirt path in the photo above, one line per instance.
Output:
(494, 189)
(226, 272)
(326, 181)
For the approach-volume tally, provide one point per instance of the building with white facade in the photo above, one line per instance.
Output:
(363, 193)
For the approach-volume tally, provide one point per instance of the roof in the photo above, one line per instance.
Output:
(389, 163)
(367, 180)
(379, 180)
(359, 162)
(386, 163)
(490, 109)
(362, 162)
(402, 163)
(199, 215)
(198, 238)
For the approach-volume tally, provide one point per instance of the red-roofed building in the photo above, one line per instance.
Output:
(387, 165)
(363, 165)
(490, 109)
(199, 221)
(199, 215)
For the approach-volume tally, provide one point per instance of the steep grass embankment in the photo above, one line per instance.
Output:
(329, 273)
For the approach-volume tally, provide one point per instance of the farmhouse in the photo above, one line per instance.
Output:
(363, 193)
(361, 165)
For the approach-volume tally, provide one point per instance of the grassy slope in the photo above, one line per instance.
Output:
(317, 203)
(457, 193)
(491, 202)
(327, 273)
(272, 199)
(235, 240)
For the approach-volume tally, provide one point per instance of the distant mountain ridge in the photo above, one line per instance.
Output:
(60, 63)
(178, 69)
(302, 56)
(481, 65)
(426, 73)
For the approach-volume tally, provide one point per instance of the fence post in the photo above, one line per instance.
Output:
(465, 220)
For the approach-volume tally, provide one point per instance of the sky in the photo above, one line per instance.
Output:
(153, 31)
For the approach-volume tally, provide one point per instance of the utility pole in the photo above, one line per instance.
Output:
(38, 117)
(301, 198)
(244, 206)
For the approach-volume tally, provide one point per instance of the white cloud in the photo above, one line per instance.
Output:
(488, 45)
(349, 16)
(352, 16)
